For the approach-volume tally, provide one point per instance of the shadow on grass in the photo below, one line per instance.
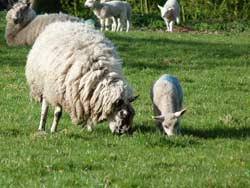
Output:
(228, 132)
(201, 49)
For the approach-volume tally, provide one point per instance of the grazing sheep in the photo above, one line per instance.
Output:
(167, 97)
(170, 13)
(73, 66)
(119, 11)
(24, 26)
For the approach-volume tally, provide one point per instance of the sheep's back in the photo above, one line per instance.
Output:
(61, 56)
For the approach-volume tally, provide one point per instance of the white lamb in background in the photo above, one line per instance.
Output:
(119, 11)
(170, 13)
(74, 67)
(167, 97)
(24, 26)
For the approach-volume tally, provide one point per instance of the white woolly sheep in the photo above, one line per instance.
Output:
(119, 11)
(74, 67)
(167, 97)
(170, 13)
(24, 26)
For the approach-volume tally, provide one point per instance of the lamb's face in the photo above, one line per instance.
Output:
(170, 122)
(122, 119)
(89, 3)
(20, 13)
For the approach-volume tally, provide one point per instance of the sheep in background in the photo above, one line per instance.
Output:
(24, 26)
(119, 11)
(167, 97)
(170, 13)
(81, 74)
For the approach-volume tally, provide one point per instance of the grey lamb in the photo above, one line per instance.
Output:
(167, 97)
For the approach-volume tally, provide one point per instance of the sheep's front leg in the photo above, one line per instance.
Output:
(44, 112)
(102, 22)
(90, 125)
(114, 24)
(57, 115)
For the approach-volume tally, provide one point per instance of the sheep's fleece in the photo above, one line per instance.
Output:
(76, 67)
(23, 25)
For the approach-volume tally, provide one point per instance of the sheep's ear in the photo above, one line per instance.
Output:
(158, 118)
(180, 113)
(133, 98)
(160, 7)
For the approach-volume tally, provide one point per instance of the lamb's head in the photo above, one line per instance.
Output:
(21, 13)
(89, 3)
(121, 119)
(170, 122)
(162, 10)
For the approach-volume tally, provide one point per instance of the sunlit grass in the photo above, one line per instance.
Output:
(213, 151)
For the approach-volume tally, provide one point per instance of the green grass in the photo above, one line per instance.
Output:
(213, 151)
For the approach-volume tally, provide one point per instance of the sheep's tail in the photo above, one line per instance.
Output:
(178, 20)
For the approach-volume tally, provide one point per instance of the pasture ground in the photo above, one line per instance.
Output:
(213, 151)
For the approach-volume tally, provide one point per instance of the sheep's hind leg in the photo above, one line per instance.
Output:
(44, 112)
(57, 115)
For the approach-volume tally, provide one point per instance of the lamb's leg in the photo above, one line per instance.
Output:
(128, 25)
(102, 22)
(44, 112)
(106, 24)
(57, 115)
(167, 24)
(123, 19)
(114, 24)
(118, 24)
(171, 24)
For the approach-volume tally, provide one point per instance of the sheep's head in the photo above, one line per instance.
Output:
(170, 122)
(122, 118)
(21, 13)
(89, 3)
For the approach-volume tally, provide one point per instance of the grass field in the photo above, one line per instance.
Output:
(213, 151)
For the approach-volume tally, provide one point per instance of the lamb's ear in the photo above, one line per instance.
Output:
(160, 7)
(180, 113)
(133, 98)
(158, 118)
